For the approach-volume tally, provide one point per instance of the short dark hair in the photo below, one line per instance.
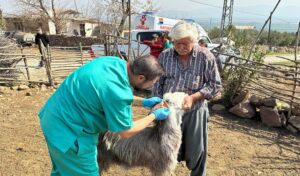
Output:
(155, 36)
(146, 65)
(202, 42)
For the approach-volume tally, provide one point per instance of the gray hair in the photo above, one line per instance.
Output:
(147, 66)
(184, 29)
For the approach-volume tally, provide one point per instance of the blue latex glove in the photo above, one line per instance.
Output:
(161, 113)
(150, 102)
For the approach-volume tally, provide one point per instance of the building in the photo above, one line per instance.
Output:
(245, 27)
(72, 24)
(77, 26)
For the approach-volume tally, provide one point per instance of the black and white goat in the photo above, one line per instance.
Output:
(155, 147)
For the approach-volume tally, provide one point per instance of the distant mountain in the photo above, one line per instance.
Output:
(284, 18)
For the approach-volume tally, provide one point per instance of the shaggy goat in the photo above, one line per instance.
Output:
(155, 147)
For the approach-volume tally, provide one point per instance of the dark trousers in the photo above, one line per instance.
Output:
(193, 149)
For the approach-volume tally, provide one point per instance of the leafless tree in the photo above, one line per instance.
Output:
(51, 9)
(117, 11)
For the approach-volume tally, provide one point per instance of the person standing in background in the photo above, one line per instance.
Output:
(167, 40)
(156, 45)
(42, 41)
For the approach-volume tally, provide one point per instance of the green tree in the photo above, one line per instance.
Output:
(214, 33)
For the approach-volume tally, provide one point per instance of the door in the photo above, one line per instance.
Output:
(82, 29)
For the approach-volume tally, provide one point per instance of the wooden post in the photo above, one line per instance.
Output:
(25, 63)
(129, 26)
(49, 52)
(269, 32)
(138, 49)
(47, 65)
(105, 45)
(296, 69)
(258, 37)
(81, 54)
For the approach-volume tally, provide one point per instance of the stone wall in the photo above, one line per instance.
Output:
(271, 111)
(73, 41)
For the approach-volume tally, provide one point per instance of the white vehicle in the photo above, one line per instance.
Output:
(143, 28)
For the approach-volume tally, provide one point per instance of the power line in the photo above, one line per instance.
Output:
(75, 5)
(240, 11)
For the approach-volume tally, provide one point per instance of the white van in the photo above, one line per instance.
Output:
(143, 28)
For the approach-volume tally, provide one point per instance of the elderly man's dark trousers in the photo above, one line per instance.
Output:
(193, 149)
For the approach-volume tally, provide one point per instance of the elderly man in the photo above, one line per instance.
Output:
(95, 98)
(191, 69)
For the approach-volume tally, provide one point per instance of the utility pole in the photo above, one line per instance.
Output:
(226, 16)
(76, 5)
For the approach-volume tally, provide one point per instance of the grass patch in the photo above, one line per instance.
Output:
(289, 63)
(278, 54)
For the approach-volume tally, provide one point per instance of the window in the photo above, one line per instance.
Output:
(147, 35)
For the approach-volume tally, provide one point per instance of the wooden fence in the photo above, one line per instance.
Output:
(279, 80)
(59, 63)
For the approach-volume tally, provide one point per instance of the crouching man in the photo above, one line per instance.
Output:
(191, 69)
(95, 98)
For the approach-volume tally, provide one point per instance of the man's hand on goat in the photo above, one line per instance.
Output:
(161, 113)
(150, 102)
(187, 103)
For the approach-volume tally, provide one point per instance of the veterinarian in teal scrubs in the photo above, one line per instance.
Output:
(95, 98)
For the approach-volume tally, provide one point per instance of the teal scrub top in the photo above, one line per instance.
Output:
(95, 98)
(168, 45)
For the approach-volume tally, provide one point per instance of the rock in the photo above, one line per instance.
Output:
(282, 106)
(43, 87)
(33, 86)
(296, 110)
(3, 88)
(269, 102)
(20, 149)
(28, 94)
(291, 129)
(218, 107)
(14, 88)
(283, 119)
(255, 100)
(295, 121)
(244, 110)
(270, 116)
(241, 97)
(23, 87)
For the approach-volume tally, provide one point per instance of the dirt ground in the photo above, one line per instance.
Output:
(236, 146)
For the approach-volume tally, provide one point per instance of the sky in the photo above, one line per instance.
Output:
(244, 11)
(9, 5)
(187, 4)
(261, 7)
